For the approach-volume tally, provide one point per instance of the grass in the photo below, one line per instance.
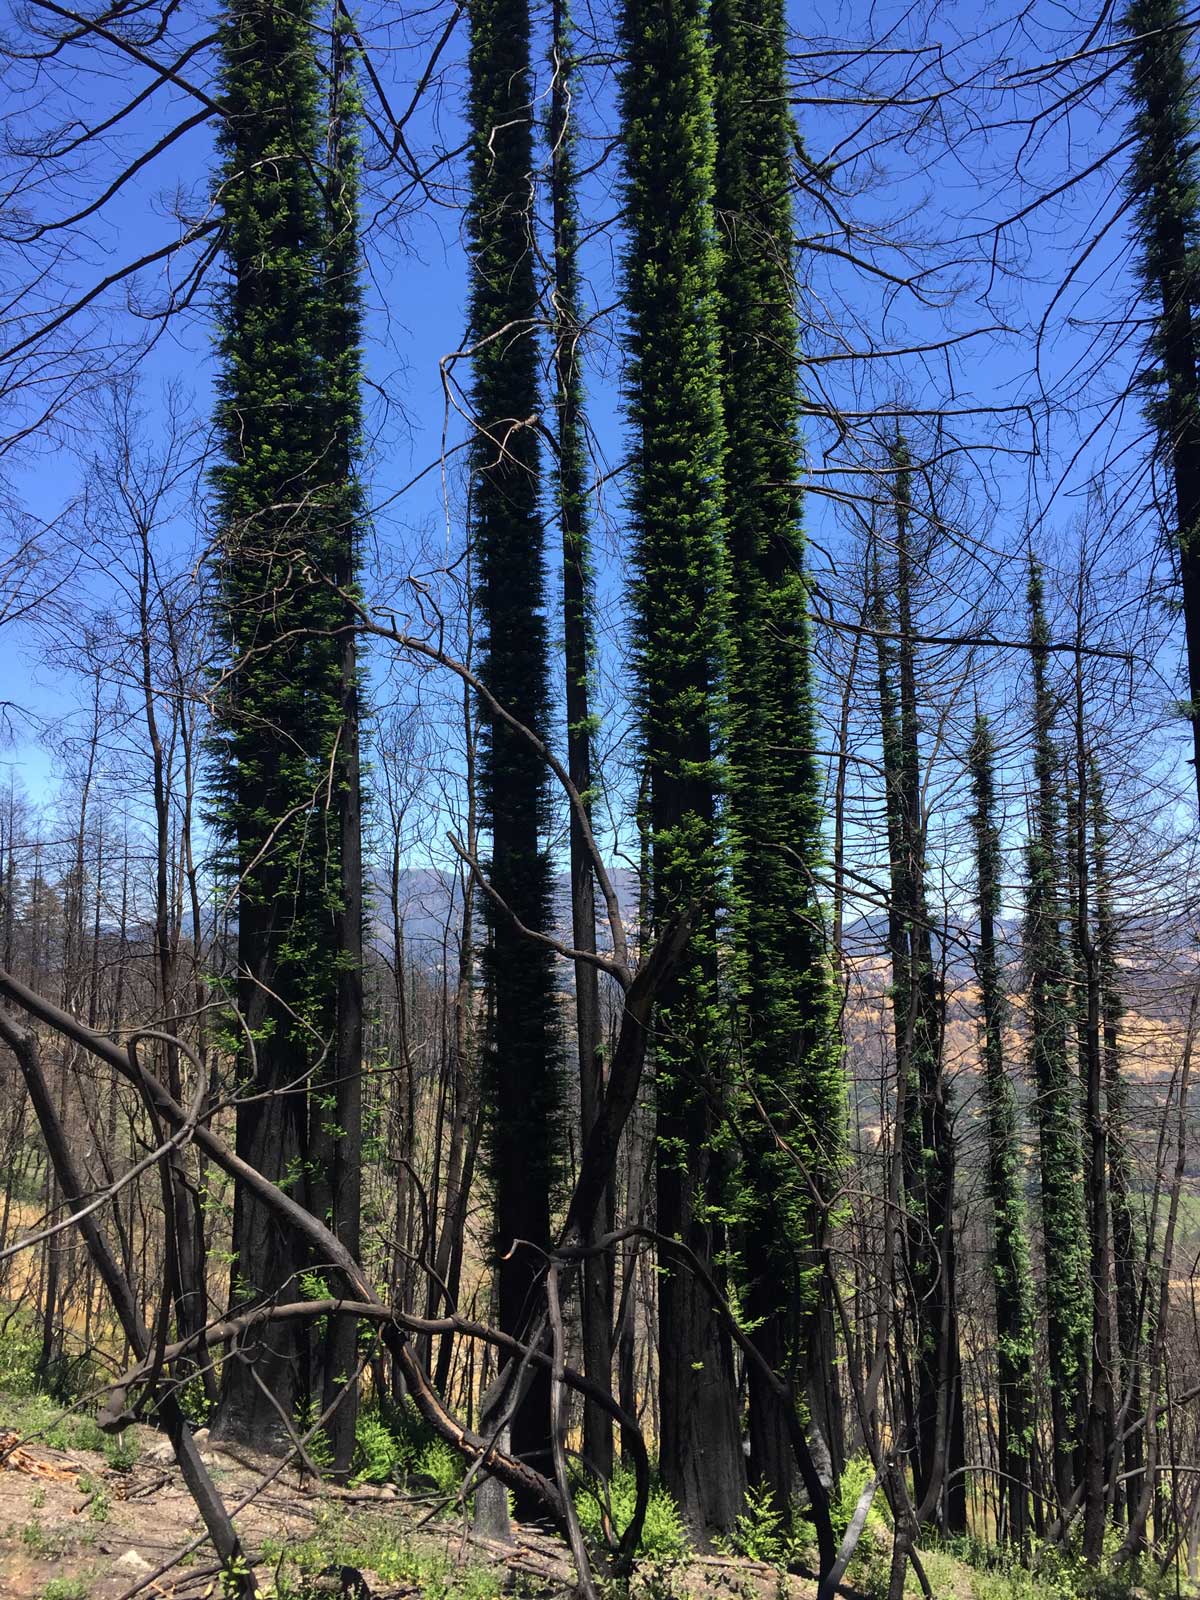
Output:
(46, 1542)
(100, 1507)
(377, 1546)
(39, 1416)
(968, 1569)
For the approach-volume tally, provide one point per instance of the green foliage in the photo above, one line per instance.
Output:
(967, 1565)
(273, 713)
(664, 1537)
(870, 1569)
(967, 1568)
(38, 1415)
(571, 462)
(289, 511)
(48, 1543)
(194, 1401)
(121, 1450)
(373, 1545)
(100, 1506)
(19, 1348)
(523, 1064)
(379, 1455)
(761, 1532)
(793, 1082)
(677, 523)
(233, 1576)
(77, 1588)
(315, 1286)
(1064, 1225)
(855, 1475)
(1015, 1331)
(83, 1432)
(1164, 185)
(318, 1446)
(68, 1376)
(443, 1466)
(394, 1442)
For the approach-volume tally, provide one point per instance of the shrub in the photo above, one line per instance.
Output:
(320, 1451)
(854, 1479)
(760, 1533)
(121, 1450)
(443, 1466)
(195, 1403)
(18, 1357)
(664, 1537)
(66, 1589)
(380, 1454)
(74, 1431)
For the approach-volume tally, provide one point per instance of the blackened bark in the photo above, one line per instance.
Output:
(597, 1302)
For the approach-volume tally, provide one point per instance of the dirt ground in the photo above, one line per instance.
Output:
(74, 1526)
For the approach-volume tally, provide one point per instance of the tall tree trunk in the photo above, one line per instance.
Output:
(275, 708)
(1128, 1460)
(1163, 180)
(1015, 1333)
(677, 512)
(919, 1013)
(189, 1290)
(341, 354)
(578, 653)
(1064, 1225)
(523, 1061)
(793, 1089)
(1101, 1418)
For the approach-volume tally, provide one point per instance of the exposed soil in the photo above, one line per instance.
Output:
(70, 1515)
(73, 1525)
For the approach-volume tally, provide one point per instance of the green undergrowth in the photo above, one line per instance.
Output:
(394, 1445)
(77, 1588)
(966, 1568)
(42, 1418)
(68, 1375)
(761, 1532)
(374, 1545)
(664, 1537)
(58, 1408)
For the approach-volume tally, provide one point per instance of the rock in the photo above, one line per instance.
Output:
(342, 1583)
(133, 1563)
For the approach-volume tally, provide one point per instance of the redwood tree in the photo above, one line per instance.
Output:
(1015, 1334)
(578, 661)
(1066, 1263)
(792, 1088)
(523, 1060)
(677, 515)
(1164, 183)
(277, 700)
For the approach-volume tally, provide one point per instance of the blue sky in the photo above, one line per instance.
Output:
(926, 175)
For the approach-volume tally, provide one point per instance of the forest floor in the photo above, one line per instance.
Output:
(85, 1518)
(90, 1524)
